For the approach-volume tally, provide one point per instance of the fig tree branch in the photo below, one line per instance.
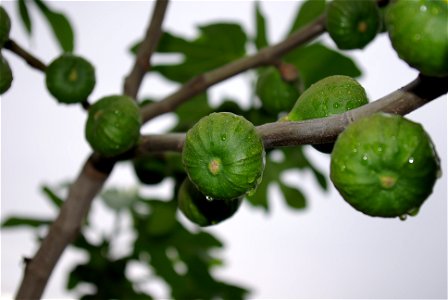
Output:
(146, 49)
(265, 56)
(30, 59)
(281, 134)
(87, 185)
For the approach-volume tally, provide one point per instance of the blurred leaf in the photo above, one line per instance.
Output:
(181, 258)
(24, 15)
(60, 25)
(55, 199)
(293, 196)
(316, 62)
(118, 199)
(162, 220)
(261, 39)
(307, 12)
(191, 111)
(25, 221)
(292, 158)
(321, 179)
(216, 45)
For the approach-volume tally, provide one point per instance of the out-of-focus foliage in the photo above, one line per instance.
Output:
(58, 22)
(182, 258)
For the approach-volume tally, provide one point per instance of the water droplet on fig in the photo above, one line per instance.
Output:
(423, 8)
(209, 198)
(223, 137)
(403, 217)
(336, 105)
(411, 160)
(413, 211)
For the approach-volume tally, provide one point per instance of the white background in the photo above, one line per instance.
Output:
(328, 250)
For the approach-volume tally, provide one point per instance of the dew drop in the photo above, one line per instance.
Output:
(210, 199)
(411, 160)
(423, 8)
(364, 157)
(379, 149)
(403, 217)
(336, 105)
(355, 150)
(223, 137)
(413, 211)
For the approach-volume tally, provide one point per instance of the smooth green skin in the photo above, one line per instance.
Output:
(418, 31)
(113, 125)
(275, 94)
(5, 26)
(70, 79)
(330, 96)
(231, 140)
(352, 24)
(384, 165)
(201, 211)
(5, 75)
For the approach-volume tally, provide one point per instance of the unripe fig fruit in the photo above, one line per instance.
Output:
(5, 75)
(150, 169)
(113, 125)
(418, 32)
(384, 165)
(5, 26)
(330, 96)
(275, 94)
(223, 156)
(70, 79)
(202, 211)
(352, 24)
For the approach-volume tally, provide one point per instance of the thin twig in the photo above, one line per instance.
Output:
(28, 57)
(265, 56)
(145, 50)
(65, 228)
(280, 134)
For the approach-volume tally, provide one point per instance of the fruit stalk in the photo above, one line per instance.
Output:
(30, 59)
